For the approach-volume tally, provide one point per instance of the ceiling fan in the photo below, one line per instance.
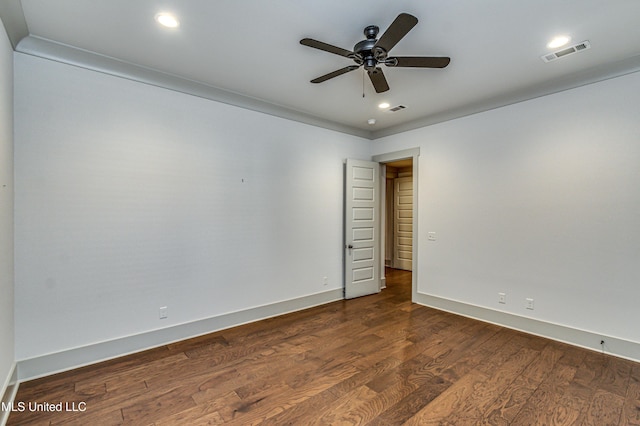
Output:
(371, 52)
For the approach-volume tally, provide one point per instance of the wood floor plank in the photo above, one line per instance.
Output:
(443, 406)
(478, 402)
(365, 376)
(377, 360)
(161, 405)
(541, 406)
(617, 373)
(110, 417)
(219, 409)
(397, 407)
(509, 403)
(605, 409)
(473, 355)
(400, 373)
(261, 410)
(631, 409)
(299, 413)
(343, 410)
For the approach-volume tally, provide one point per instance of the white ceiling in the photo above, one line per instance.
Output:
(251, 49)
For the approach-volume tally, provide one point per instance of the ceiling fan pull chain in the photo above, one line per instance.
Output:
(363, 71)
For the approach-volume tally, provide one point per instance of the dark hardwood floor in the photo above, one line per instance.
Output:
(377, 360)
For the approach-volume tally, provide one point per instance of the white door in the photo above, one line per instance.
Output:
(362, 220)
(403, 223)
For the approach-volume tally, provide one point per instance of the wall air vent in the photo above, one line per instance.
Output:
(549, 57)
(397, 108)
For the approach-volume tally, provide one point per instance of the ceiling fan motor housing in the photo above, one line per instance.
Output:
(366, 52)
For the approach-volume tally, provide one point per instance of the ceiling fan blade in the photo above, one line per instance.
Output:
(326, 47)
(335, 73)
(398, 29)
(378, 80)
(419, 61)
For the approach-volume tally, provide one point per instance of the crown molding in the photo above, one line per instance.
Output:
(12, 17)
(70, 55)
(568, 82)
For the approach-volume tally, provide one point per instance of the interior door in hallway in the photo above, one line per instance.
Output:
(403, 223)
(362, 226)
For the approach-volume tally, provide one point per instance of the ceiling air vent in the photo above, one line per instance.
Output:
(397, 108)
(566, 51)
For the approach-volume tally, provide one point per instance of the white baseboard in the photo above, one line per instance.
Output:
(584, 339)
(8, 395)
(45, 365)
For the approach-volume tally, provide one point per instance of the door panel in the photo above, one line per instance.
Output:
(403, 223)
(361, 228)
(362, 254)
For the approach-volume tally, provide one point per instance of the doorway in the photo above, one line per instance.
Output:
(398, 227)
(365, 221)
(405, 162)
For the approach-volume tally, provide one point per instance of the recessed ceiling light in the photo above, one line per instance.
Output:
(167, 20)
(371, 121)
(383, 105)
(558, 41)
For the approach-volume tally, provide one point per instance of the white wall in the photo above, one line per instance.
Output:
(130, 197)
(6, 210)
(540, 199)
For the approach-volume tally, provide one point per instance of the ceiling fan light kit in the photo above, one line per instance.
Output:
(372, 52)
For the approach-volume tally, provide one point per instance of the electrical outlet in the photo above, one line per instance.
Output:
(529, 303)
(325, 281)
(502, 298)
(163, 312)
